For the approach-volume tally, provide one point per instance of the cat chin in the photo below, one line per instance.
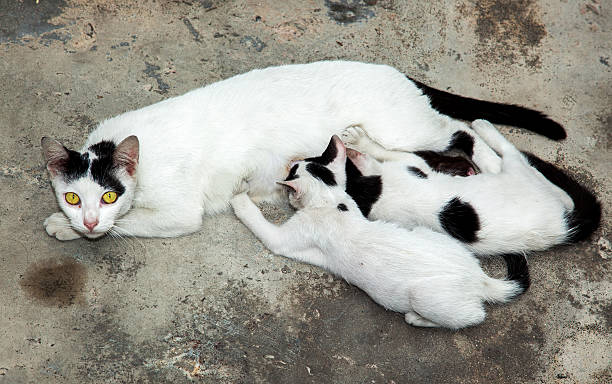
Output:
(95, 235)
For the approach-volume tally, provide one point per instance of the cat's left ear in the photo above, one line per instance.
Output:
(55, 154)
(337, 148)
(126, 155)
(293, 185)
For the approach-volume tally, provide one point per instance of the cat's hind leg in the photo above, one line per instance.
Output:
(417, 320)
(58, 226)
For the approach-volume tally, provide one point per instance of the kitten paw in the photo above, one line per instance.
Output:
(352, 135)
(240, 202)
(417, 320)
(58, 226)
(243, 187)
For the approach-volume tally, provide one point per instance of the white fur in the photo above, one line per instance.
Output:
(196, 148)
(430, 277)
(519, 209)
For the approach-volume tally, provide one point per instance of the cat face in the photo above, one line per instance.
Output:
(315, 181)
(96, 187)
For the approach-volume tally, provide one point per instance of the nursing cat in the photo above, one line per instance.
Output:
(428, 276)
(514, 211)
(154, 172)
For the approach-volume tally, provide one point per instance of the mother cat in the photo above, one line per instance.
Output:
(156, 171)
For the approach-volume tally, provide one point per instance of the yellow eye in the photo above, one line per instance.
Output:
(109, 197)
(72, 198)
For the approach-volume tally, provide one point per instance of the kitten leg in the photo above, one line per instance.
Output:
(356, 138)
(417, 320)
(146, 222)
(58, 226)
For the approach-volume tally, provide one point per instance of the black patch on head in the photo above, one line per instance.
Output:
(451, 165)
(342, 207)
(322, 173)
(417, 172)
(460, 220)
(102, 169)
(75, 166)
(327, 157)
(364, 190)
(462, 141)
(292, 173)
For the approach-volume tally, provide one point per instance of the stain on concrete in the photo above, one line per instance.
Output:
(22, 18)
(251, 42)
(55, 282)
(508, 30)
(152, 71)
(350, 11)
(192, 30)
(125, 264)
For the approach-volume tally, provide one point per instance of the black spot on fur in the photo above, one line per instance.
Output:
(586, 216)
(460, 220)
(292, 173)
(322, 173)
(465, 108)
(417, 172)
(102, 169)
(342, 207)
(327, 157)
(518, 270)
(75, 166)
(451, 165)
(462, 141)
(364, 190)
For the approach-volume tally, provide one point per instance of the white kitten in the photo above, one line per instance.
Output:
(430, 277)
(195, 149)
(515, 210)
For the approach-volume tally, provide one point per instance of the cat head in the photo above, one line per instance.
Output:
(318, 181)
(95, 187)
(366, 164)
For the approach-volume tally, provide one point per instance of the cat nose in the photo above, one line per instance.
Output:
(90, 224)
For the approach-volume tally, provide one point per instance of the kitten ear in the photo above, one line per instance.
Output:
(291, 184)
(55, 154)
(337, 147)
(126, 154)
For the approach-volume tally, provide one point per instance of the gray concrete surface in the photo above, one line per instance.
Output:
(217, 307)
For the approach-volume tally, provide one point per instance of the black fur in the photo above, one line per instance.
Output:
(462, 141)
(417, 172)
(327, 157)
(75, 166)
(342, 207)
(451, 165)
(322, 173)
(518, 270)
(292, 173)
(364, 190)
(586, 216)
(460, 220)
(469, 109)
(102, 168)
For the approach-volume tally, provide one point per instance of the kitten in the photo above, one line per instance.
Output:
(430, 277)
(188, 155)
(516, 210)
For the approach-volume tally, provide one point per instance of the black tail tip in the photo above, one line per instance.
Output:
(551, 129)
(518, 270)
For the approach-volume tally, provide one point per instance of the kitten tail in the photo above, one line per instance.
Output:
(516, 282)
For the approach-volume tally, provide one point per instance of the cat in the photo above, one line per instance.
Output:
(517, 210)
(156, 171)
(428, 276)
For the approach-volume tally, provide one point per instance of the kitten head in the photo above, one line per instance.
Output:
(317, 181)
(365, 163)
(95, 187)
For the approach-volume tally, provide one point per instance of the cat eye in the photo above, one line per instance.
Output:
(109, 197)
(72, 198)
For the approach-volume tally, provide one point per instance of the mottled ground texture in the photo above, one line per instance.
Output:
(216, 306)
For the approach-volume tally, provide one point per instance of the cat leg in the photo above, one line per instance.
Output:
(417, 320)
(355, 137)
(58, 226)
(148, 222)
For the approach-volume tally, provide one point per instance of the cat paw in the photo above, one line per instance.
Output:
(58, 226)
(243, 187)
(485, 130)
(352, 135)
(417, 320)
(240, 203)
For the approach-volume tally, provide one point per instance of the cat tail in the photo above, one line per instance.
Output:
(516, 282)
(584, 219)
(465, 108)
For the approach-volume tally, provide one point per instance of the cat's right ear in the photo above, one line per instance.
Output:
(55, 154)
(293, 185)
(126, 154)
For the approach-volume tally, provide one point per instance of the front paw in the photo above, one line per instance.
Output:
(243, 187)
(241, 203)
(58, 226)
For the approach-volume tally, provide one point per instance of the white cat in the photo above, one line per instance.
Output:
(515, 210)
(430, 277)
(187, 155)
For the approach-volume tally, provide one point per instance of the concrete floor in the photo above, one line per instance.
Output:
(216, 306)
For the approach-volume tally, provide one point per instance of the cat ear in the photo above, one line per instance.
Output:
(294, 185)
(126, 155)
(336, 146)
(55, 154)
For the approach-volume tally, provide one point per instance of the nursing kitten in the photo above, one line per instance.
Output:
(513, 211)
(428, 276)
(185, 157)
